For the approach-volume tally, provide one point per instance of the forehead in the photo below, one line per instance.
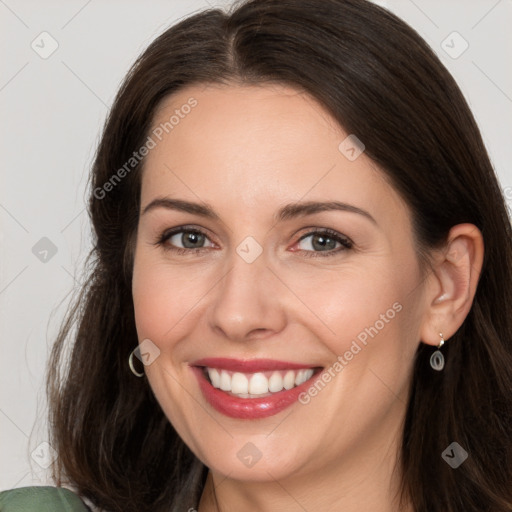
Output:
(255, 147)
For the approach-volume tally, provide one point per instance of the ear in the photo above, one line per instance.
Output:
(452, 284)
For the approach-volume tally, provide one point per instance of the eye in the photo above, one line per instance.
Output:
(323, 243)
(191, 240)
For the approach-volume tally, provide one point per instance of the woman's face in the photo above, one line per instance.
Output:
(256, 297)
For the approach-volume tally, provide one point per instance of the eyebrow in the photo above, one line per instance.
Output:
(286, 212)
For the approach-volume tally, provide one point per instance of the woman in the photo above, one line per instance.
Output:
(337, 339)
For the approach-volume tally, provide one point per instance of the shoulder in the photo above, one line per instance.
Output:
(41, 499)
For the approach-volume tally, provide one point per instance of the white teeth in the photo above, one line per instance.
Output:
(275, 383)
(308, 374)
(257, 384)
(289, 380)
(225, 381)
(239, 383)
(214, 377)
(303, 376)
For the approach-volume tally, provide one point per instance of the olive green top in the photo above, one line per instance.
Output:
(41, 499)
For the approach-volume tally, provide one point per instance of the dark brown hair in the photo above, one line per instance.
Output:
(382, 82)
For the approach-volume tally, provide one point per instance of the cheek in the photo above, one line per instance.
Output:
(353, 304)
(165, 298)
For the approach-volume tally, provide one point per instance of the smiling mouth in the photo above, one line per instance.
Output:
(257, 384)
(252, 389)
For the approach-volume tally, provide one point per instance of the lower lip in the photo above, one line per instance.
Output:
(248, 408)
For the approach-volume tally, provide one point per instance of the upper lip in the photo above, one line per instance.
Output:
(250, 365)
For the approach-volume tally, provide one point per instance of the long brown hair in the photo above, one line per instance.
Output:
(382, 82)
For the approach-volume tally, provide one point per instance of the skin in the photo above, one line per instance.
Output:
(247, 151)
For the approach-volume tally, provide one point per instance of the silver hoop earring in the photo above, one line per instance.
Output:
(130, 363)
(437, 358)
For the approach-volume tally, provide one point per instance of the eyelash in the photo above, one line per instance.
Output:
(333, 235)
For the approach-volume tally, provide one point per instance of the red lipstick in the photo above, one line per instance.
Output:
(249, 408)
(248, 365)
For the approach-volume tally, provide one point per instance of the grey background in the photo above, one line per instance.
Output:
(52, 111)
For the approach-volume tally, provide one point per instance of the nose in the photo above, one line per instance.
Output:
(248, 303)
